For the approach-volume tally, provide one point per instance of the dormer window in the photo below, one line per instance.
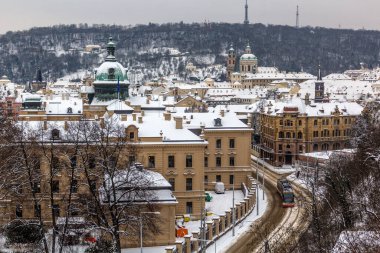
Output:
(111, 73)
(218, 122)
(55, 135)
(69, 110)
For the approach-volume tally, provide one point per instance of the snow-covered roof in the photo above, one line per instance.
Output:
(273, 107)
(60, 106)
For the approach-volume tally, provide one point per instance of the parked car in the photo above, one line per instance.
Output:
(219, 187)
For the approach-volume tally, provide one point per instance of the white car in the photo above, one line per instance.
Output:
(219, 188)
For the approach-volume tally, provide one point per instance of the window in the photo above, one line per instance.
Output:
(36, 187)
(299, 135)
(232, 161)
(55, 186)
(18, 211)
(315, 147)
(281, 122)
(206, 162)
(91, 162)
(132, 159)
(172, 183)
(300, 122)
(300, 148)
(131, 135)
(189, 207)
(280, 147)
(69, 110)
(315, 134)
(325, 147)
(218, 161)
(74, 186)
(92, 185)
(231, 179)
(55, 134)
(56, 210)
(218, 178)
(55, 163)
(218, 143)
(232, 143)
(206, 179)
(288, 135)
(171, 163)
(151, 161)
(37, 210)
(289, 123)
(189, 184)
(315, 122)
(189, 161)
(111, 73)
(281, 135)
(73, 162)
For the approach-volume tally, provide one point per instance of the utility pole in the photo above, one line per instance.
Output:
(297, 18)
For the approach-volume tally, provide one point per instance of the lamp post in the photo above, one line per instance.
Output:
(264, 174)
(141, 228)
(257, 186)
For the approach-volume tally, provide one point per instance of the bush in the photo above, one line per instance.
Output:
(19, 231)
(101, 246)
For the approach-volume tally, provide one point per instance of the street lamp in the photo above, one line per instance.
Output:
(141, 227)
(264, 175)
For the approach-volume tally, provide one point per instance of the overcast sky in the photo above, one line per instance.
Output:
(23, 14)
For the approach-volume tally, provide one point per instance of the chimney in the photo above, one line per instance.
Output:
(140, 119)
(222, 113)
(178, 122)
(134, 116)
(128, 103)
(167, 116)
(142, 113)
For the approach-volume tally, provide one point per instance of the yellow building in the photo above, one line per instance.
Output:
(289, 128)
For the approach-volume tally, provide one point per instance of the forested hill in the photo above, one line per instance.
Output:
(58, 50)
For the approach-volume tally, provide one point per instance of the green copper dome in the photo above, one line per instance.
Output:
(111, 71)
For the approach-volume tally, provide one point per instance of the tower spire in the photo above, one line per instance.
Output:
(246, 21)
(297, 18)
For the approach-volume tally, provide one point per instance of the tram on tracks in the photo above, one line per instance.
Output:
(286, 192)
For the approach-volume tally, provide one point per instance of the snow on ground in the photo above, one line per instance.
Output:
(227, 239)
(218, 205)
(158, 249)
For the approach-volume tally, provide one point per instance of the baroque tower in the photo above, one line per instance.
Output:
(231, 62)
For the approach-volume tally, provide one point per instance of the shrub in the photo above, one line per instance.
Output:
(101, 246)
(19, 231)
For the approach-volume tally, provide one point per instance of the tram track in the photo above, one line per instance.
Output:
(279, 228)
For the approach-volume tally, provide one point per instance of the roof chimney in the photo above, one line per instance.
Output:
(140, 119)
(167, 116)
(222, 113)
(178, 122)
(134, 116)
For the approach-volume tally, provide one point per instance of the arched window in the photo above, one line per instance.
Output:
(281, 135)
(315, 122)
(336, 146)
(55, 134)
(69, 110)
(299, 135)
(315, 147)
(111, 73)
(288, 135)
(325, 146)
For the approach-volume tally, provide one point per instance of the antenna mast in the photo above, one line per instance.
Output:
(297, 18)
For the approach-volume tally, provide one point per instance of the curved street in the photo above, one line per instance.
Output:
(279, 228)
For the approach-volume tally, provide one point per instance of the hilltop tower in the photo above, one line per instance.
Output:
(246, 21)
(319, 88)
(231, 62)
(297, 18)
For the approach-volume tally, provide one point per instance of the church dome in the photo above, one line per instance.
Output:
(248, 57)
(111, 71)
